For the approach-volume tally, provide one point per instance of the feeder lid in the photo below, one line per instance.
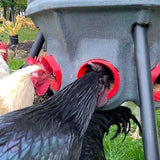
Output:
(35, 6)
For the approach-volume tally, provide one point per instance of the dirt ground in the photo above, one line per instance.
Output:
(21, 50)
(26, 46)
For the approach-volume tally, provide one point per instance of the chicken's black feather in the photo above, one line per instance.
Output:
(53, 129)
(101, 121)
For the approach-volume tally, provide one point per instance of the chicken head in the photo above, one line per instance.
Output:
(41, 78)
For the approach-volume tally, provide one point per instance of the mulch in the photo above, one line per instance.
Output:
(26, 46)
(156, 87)
(21, 50)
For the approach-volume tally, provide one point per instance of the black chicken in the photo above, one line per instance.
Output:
(53, 130)
(92, 148)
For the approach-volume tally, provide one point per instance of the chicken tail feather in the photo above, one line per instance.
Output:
(101, 121)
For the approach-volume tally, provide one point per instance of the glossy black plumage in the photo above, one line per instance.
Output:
(92, 148)
(52, 130)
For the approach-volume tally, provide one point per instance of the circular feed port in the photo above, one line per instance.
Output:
(109, 68)
(55, 85)
(156, 82)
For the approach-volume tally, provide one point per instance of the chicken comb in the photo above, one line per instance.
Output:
(5, 54)
(38, 61)
(51, 61)
(51, 67)
(34, 61)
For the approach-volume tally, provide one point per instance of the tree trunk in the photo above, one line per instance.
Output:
(5, 12)
(12, 11)
(12, 14)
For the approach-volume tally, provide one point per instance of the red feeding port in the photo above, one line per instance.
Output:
(110, 69)
(56, 70)
(156, 82)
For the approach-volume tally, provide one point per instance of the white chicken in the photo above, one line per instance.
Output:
(4, 69)
(17, 90)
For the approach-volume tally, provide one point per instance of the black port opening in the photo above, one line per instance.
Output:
(109, 73)
(156, 84)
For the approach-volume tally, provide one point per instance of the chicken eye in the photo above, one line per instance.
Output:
(41, 73)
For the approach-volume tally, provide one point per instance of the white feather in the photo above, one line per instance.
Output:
(4, 69)
(16, 90)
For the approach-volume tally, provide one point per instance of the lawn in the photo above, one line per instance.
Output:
(118, 150)
(127, 150)
(24, 34)
(114, 149)
(15, 64)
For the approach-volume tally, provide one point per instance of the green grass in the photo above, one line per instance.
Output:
(15, 64)
(158, 122)
(117, 149)
(24, 34)
(127, 150)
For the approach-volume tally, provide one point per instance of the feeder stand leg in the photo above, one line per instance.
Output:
(149, 128)
(36, 47)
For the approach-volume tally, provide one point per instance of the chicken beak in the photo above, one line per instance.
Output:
(95, 67)
(52, 78)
